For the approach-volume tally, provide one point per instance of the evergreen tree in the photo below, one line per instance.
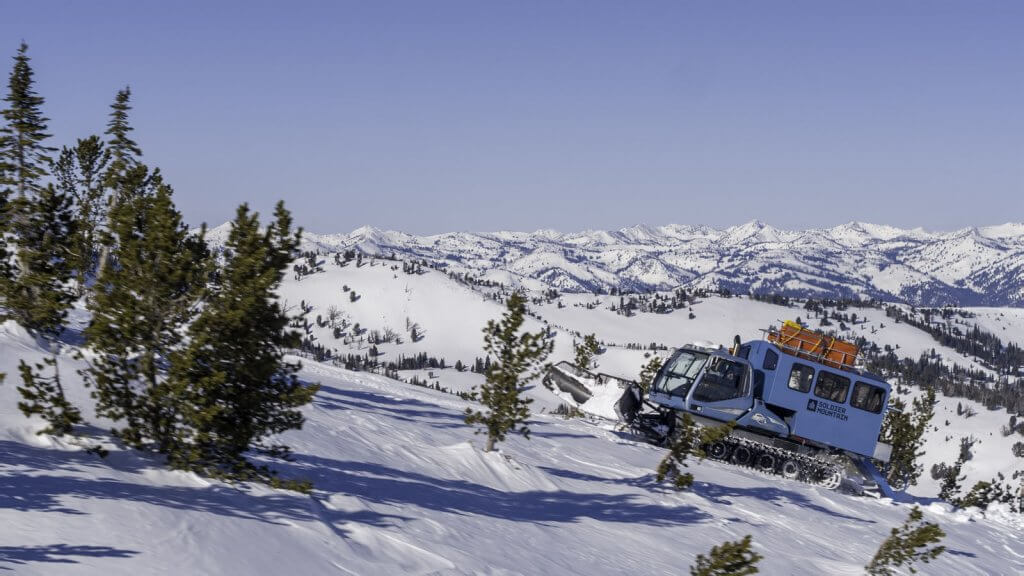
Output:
(37, 294)
(45, 396)
(519, 358)
(120, 175)
(124, 152)
(140, 306)
(905, 432)
(682, 442)
(728, 559)
(24, 156)
(586, 350)
(984, 493)
(240, 388)
(907, 545)
(79, 172)
(647, 373)
(951, 479)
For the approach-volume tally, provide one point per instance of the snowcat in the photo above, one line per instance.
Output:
(801, 409)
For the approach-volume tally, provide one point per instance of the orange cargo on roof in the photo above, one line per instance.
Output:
(802, 342)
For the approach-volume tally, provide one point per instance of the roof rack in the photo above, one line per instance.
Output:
(802, 342)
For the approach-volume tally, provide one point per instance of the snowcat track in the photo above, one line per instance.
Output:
(775, 461)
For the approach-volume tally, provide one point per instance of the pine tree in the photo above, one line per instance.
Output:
(519, 358)
(37, 294)
(586, 350)
(951, 479)
(120, 175)
(648, 372)
(79, 172)
(905, 432)
(240, 387)
(124, 152)
(907, 545)
(23, 153)
(681, 445)
(45, 396)
(140, 306)
(984, 493)
(728, 559)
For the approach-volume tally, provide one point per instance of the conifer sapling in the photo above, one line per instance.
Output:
(907, 545)
(518, 358)
(728, 559)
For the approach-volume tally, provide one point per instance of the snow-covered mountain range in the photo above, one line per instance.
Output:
(969, 267)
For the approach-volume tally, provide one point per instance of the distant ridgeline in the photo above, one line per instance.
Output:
(970, 267)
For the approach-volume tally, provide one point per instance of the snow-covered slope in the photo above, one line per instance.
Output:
(450, 316)
(403, 488)
(970, 267)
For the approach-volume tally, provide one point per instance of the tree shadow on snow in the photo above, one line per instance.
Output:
(57, 553)
(381, 484)
(716, 493)
(403, 409)
(36, 479)
(720, 494)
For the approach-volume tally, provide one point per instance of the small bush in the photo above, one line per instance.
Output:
(728, 559)
(907, 545)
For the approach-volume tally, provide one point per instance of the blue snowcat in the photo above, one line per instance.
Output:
(800, 408)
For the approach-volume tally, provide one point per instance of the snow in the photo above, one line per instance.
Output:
(402, 487)
(452, 315)
(973, 266)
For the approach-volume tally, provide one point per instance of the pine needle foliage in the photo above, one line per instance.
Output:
(79, 173)
(711, 434)
(124, 152)
(37, 293)
(586, 350)
(240, 389)
(24, 155)
(728, 559)
(519, 358)
(905, 432)
(140, 305)
(44, 396)
(907, 545)
(949, 487)
(647, 373)
(681, 445)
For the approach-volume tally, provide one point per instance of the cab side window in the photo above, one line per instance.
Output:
(832, 387)
(867, 397)
(771, 360)
(800, 377)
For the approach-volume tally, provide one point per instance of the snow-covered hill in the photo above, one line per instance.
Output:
(403, 488)
(449, 316)
(970, 267)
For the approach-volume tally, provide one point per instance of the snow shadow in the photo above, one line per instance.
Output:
(716, 493)
(57, 553)
(36, 479)
(720, 494)
(382, 484)
(403, 409)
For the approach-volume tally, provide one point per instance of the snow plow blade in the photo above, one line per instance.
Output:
(567, 378)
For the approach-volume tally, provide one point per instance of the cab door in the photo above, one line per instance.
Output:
(723, 391)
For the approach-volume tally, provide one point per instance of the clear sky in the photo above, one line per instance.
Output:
(432, 116)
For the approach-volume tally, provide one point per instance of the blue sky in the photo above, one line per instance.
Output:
(438, 116)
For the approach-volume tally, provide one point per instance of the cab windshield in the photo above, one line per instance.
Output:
(678, 376)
